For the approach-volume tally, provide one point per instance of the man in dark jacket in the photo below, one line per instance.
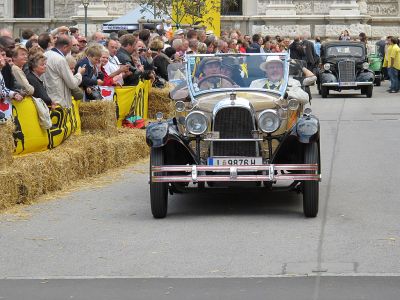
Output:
(296, 49)
(255, 46)
(310, 55)
(124, 54)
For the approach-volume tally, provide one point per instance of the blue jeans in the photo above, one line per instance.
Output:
(394, 79)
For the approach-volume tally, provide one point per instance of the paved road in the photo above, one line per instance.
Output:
(299, 288)
(109, 232)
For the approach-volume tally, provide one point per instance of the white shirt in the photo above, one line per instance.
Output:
(294, 89)
(112, 66)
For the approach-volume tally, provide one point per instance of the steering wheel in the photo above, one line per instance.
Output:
(206, 78)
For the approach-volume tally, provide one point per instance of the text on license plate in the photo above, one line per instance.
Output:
(234, 161)
(347, 84)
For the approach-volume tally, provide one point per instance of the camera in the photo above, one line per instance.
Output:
(131, 67)
(142, 50)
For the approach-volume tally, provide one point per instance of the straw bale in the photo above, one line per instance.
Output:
(159, 101)
(80, 157)
(6, 144)
(98, 116)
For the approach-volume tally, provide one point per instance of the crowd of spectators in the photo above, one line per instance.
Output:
(62, 63)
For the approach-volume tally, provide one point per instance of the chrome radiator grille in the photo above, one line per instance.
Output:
(347, 71)
(234, 123)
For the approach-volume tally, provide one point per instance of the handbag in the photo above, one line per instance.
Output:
(43, 113)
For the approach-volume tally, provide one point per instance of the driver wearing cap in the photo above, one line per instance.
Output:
(211, 76)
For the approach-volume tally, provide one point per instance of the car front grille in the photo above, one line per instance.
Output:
(346, 71)
(234, 123)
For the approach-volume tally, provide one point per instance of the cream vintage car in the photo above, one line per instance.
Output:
(235, 127)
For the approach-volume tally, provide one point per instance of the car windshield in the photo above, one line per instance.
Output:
(344, 50)
(226, 72)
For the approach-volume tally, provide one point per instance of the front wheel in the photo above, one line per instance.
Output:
(324, 91)
(158, 190)
(368, 91)
(310, 187)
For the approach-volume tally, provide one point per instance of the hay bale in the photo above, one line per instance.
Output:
(7, 145)
(98, 116)
(79, 157)
(159, 101)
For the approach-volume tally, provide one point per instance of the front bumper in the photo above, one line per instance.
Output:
(271, 172)
(346, 84)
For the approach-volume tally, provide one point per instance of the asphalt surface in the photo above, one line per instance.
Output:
(303, 288)
(88, 238)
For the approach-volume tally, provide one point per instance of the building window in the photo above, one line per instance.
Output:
(232, 7)
(29, 8)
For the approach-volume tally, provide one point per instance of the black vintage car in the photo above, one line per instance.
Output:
(344, 66)
(235, 127)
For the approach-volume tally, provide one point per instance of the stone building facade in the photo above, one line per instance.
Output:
(325, 18)
(40, 15)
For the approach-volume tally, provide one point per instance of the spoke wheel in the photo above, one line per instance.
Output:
(158, 190)
(310, 188)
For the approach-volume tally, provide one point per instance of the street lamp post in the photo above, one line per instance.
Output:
(85, 4)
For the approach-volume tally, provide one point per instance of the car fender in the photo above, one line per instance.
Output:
(366, 76)
(327, 77)
(165, 134)
(157, 134)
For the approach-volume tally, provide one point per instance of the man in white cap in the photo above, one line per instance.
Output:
(179, 34)
(274, 79)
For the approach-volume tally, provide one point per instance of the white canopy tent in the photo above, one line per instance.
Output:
(130, 20)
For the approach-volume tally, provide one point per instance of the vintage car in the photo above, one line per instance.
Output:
(344, 66)
(233, 129)
(375, 60)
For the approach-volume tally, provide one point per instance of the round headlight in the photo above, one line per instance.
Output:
(307, 127)
(327, 67)
(365, 65)
(180, 106)
(269, 121)
(196, 123)
(293, 104)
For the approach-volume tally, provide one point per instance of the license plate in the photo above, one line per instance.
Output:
(234, 161)
(347, 83)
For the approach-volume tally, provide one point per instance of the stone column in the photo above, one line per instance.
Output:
(362, 4)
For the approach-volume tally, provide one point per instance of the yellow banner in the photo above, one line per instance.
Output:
(186, 12)
(132, 101)
(30, 137)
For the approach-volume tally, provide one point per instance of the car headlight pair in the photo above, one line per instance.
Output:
(196, 122)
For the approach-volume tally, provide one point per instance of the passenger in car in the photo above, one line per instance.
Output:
(274, 79)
